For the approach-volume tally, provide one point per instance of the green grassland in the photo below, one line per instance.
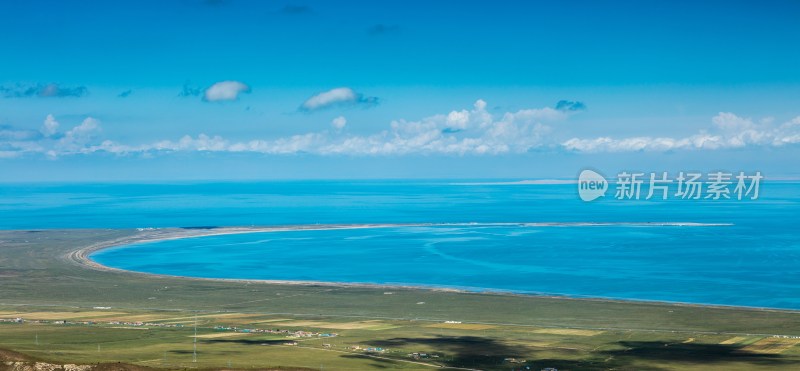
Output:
(150, 321)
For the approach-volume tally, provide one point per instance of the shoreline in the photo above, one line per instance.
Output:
(81, 257)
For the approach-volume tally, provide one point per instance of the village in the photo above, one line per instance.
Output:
(145, 325)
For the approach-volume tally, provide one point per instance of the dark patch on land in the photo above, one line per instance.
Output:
(464, 351)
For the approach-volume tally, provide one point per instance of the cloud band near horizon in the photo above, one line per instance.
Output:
(462, 132)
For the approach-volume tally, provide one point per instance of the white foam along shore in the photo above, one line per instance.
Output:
(629, 224)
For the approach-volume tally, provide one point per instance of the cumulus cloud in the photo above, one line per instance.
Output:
(339, 123)
(343, 96)
(51, 90)
(48, 140)
(78, 138)
(728, 131)
(225, 91)
(542, 114)
(50, 126)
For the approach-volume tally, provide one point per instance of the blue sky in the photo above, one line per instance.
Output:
(234, 89)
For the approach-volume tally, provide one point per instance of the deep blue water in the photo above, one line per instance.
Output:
(754, 262)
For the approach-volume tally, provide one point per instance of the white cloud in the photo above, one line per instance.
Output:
(608, 144)
(788, 133)
(14, 149)
(47, 140)
(540, 114)
(460, 132)
(336, 97)
(87, 128)
(50, 126)
(728, 131)
(11, 134)
(78, 138)
(727, 121)
(225, 91)
(339, 123)
(472, 131)
(329, 97)
(458, 119)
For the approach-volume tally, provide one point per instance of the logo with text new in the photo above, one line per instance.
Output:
(591, 185)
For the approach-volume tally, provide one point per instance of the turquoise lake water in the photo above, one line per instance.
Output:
(755, 261)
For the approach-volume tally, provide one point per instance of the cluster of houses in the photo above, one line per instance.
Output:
(290, 333)
(141, 324)
(526, 368)
(65, 322)
(367, 349)
(419, 355)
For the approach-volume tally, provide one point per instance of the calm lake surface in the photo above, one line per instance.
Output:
(755, 261)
